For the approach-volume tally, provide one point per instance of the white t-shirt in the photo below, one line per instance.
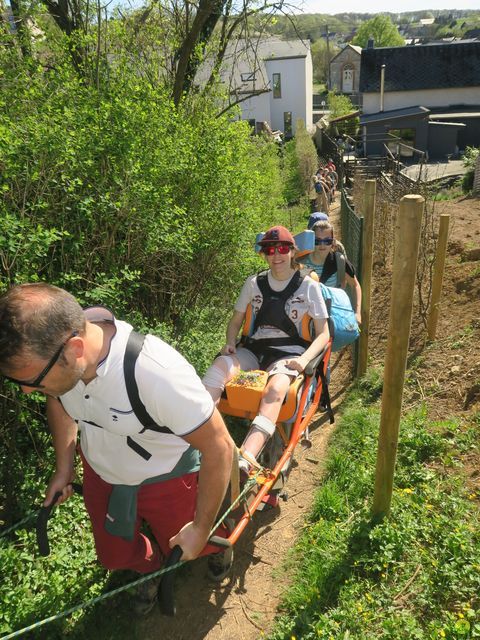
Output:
(171, 391)
(307, 299)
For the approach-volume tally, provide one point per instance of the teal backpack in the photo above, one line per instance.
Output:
(342, 322)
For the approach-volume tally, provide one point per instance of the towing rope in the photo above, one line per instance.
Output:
(28, 517)
(155, 574)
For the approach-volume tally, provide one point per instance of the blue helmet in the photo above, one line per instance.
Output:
(317, 216)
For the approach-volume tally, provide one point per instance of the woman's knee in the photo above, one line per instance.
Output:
(220, 372)
(276, 388)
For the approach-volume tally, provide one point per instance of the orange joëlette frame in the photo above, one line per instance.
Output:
(298, 429)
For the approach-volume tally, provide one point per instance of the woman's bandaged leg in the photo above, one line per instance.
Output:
(218, 374)
(261, 430)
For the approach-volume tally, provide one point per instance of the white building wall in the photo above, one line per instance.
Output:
(427, 98)
(309, 92)
(293, 72)
(257, 107)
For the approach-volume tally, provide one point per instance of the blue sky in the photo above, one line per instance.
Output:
(379, 6)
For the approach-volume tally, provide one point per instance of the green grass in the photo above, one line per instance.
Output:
(448, 194)
(417, 574)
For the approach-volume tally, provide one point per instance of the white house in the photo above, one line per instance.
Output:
(272, 81)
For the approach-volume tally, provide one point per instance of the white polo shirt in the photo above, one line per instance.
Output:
(171, 391)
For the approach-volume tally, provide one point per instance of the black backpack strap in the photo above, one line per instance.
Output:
(325, 395)
(132, 351)
(284, 294)
(331, 326)
(272, 311)
(341, 267)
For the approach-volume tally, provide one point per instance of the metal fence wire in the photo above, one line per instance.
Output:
(352, 239)
(352, 234)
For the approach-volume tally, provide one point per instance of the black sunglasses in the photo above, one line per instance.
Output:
(326, 241)
(37, 383)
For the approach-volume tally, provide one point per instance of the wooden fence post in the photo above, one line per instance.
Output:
(438, 275)
(407, 239)
(367, 265)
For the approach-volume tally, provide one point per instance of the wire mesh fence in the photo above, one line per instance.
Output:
(352, 233)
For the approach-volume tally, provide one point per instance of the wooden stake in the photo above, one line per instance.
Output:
(367, 266)
(438, 275)
(407, 239)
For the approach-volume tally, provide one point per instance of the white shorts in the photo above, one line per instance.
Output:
(249, 361)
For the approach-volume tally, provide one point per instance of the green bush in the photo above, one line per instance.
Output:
(341, 105)
(124, 197)
(112, 192)
(299, 165)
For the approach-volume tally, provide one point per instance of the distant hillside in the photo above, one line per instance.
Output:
(342, 26)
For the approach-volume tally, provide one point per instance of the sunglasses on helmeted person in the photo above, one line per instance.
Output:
(282, 249)
(327, 241)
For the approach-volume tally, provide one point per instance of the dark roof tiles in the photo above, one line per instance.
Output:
(430, 66)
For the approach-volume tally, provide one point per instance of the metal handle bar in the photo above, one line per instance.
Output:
(166, 595)
(44, 515)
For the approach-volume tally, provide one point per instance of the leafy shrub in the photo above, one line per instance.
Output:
(300, 163)
(341, 105)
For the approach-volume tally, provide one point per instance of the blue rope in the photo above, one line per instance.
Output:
(15, 634)
(88, 603)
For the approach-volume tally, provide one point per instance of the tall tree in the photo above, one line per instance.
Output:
(382, 30)
(213, 24)
(180, 34)
(321, 57)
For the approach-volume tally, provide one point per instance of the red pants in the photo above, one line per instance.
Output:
(165, 506)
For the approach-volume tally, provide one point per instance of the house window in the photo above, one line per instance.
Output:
(277, 85)
(248, 77)
(347, 78)
(287, 124)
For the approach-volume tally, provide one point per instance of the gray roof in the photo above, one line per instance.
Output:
(351, 46)
(393, 114)
(249, 56)
(272, 48)
(428, 66)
